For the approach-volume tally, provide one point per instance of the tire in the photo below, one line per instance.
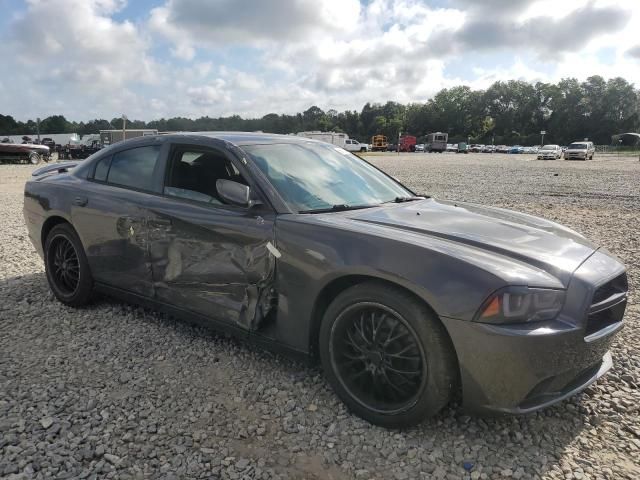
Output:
(35, 158)
(427, 371)
(66, 266)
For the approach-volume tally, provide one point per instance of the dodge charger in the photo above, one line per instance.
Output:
(303, 247)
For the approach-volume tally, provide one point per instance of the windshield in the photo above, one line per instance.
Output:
(313, 176)
(549, 147)
(578, 146)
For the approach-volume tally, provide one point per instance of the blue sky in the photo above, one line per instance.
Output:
(161, 58)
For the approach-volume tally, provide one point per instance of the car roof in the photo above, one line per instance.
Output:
(245, 138)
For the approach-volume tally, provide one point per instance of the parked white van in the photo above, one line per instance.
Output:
(336, 138)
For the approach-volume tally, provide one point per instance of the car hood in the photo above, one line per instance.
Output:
(541, 243)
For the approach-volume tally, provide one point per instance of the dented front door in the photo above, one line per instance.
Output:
(212, 260)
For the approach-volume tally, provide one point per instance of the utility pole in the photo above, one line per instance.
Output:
(38, 128)
(124, 127)
(619, 147)
(542, 132)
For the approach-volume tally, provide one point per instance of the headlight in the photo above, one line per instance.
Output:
(521, 304)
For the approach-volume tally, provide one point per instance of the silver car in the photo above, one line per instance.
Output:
(550, 152)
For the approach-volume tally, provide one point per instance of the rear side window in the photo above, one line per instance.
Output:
(102, 169)
(134, 168)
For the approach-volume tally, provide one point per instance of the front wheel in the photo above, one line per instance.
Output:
(386, 355)
(66, 266)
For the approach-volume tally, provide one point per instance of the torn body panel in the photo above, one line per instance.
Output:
(212, 261)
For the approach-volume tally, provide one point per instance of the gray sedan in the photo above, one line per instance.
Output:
(302, 247)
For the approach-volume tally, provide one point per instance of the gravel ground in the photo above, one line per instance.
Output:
(115, 391)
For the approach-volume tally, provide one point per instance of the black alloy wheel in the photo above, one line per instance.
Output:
(377, 357)
(66, 266)
(387, 355)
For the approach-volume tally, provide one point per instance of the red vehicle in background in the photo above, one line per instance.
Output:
(407, 143)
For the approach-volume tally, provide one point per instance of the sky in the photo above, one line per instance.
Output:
(149, 59)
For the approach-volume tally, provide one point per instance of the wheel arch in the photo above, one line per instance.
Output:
(337, 285)
(48, 225)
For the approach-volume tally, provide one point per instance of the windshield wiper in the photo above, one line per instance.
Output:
(406, 199)
(337, 208)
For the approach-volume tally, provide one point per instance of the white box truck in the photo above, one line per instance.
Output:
(338, 139)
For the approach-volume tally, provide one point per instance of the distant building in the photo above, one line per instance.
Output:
(109, 137)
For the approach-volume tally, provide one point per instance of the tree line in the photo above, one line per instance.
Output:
(507, 112)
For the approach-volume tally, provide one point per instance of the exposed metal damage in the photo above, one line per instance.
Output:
(213, 275)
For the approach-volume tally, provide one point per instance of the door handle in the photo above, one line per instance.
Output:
(80, 201)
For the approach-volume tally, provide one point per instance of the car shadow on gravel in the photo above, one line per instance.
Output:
(130, 356)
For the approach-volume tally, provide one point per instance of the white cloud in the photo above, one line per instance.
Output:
(209, 95)
(192, 24)
(79, 40)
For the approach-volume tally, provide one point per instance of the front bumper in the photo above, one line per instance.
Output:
(575, 155)
(520, 368)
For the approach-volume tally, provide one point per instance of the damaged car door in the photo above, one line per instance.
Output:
(109, 215)
(209, 256)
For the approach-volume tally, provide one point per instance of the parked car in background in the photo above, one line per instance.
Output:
(420, 147)
(452, 147)
(392, 147)
(516, 149)
(336, 138)
(462, 147)
(550, 152)
(488, 149)
(580, 151)
(475, 148)
(302, 246)
(502, 149)
(352, 145)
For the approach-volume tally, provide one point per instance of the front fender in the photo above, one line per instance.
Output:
(449, 278)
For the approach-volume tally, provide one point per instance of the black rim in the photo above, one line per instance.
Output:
(377, 357)
(64, 265)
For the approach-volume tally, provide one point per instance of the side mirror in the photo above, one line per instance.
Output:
(235, 193)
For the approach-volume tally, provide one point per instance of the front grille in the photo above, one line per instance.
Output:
(617, 285)
(608, 304)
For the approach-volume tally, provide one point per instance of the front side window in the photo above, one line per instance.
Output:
(134, 168)
(102, 169)
(193, 174)
(312, 176)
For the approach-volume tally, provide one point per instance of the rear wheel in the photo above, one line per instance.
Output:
(386, 355)
(66, 266)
